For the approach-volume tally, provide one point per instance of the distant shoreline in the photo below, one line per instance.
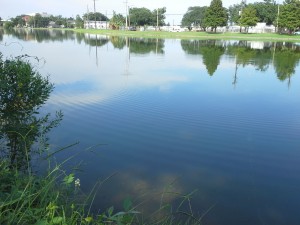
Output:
(194, 35)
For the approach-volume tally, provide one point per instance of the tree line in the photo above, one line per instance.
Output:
(285, 17)
(39, 21)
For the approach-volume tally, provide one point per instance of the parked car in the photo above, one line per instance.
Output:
(132, 28)
(177, 29)
(297, 33)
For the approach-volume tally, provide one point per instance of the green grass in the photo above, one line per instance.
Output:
(55, 198)
(194, 35)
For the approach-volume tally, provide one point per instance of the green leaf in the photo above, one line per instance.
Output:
(120, 214)
(69, 179)
(127, 204)
(42, 222)
(110, 211)
(57, 220)
(89, 219)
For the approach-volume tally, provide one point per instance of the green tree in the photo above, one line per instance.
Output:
(289, 16)
(248, 18)
(216, 15)
(39, 21)
(266, 11)
(288, 1)
(22, 92)
(8, 26)
(18, 21)
(140, 16)
(95, 16)
(158, 16)
(234, 13)
(194, 17)
(79, 22)
(117, 21)
(60, 21)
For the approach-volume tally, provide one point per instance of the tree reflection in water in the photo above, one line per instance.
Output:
(283, 56)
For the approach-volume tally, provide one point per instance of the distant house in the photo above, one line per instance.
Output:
(52, 24)
(71, 23)
(26, 18)
(89, 24)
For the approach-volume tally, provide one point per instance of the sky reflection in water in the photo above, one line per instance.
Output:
(219, 117)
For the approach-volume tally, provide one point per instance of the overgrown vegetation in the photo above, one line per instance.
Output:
(22, 93)
(54, 198)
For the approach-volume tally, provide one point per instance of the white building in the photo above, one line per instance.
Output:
(89, 24)
(262, 28)
(259, 28)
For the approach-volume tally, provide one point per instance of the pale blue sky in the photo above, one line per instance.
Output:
(68, 8)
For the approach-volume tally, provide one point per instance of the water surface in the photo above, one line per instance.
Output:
(218, 117)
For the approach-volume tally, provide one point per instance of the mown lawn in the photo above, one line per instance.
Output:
(195, 35)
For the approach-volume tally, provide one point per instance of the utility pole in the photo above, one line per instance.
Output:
(157, 19)
(126, 7)
(106, 20)
(95, 13)
(277, 18)
(129, 16)
(87, 22)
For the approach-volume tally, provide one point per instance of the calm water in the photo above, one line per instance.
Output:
(218, 117)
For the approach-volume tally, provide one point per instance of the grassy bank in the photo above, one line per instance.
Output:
(50, 199)
(55, 198)
(194, 35)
